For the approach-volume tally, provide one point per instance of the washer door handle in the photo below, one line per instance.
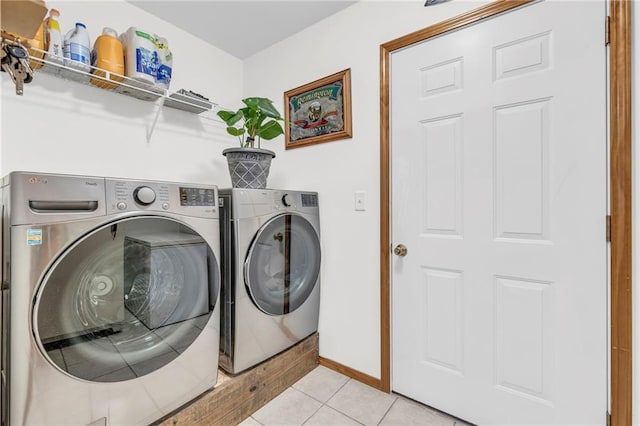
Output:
(63, 206)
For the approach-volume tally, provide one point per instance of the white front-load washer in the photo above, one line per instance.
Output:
(109, 298)
(270, 293)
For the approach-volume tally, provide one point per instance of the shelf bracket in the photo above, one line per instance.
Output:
(160, 104)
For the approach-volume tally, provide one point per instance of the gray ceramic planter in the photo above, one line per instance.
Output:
(249, 167)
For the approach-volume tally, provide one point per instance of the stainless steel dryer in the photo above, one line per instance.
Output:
(109, 298)
(270, 271)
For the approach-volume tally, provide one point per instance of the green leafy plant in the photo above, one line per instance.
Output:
(259, 119)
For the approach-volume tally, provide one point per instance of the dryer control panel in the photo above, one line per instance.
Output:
(304, 199)
(294, 200)
(260, 202)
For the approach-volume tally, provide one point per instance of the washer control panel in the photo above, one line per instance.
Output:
(188, 199)
(198, 196)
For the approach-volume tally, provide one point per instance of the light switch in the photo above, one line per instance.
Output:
(360, 204)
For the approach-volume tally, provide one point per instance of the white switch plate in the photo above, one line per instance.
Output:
(360, 204)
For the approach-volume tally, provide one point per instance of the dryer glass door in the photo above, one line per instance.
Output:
(126, 299)
(283, 264)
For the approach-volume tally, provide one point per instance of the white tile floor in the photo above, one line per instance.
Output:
(325, 397)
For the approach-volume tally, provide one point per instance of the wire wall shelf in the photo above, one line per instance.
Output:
(46, 63)
(43, 62)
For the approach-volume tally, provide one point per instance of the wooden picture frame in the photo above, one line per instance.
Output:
(319, 111)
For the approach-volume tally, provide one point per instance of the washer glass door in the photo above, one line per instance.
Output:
(126, 299)
(283, 264)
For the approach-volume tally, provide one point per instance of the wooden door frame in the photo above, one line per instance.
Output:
(620, 191)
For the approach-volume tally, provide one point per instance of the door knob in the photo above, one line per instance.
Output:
(400, 250)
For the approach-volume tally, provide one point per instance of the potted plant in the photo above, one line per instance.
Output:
(249, 164)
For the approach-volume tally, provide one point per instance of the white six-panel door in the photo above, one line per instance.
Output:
(499, 193)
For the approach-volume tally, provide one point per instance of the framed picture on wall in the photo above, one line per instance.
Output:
(319, 111)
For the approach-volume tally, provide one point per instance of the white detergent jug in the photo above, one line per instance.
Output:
(140, 55)
(165, 65)
(77, 48)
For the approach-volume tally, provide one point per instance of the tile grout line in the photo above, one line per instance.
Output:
(253, 418)
(347, 415)
(314, 413)
(344, 414)
(331, 396)
(388, 409)
(324, 404)
(396, 398)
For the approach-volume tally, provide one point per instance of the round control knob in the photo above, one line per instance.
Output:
(144, 195)
(286, 200)
(121, 205)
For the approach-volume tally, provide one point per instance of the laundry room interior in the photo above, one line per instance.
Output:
(62, 127)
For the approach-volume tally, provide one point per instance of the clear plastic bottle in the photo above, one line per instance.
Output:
(53, 37)
(77, 48)
(165, 63)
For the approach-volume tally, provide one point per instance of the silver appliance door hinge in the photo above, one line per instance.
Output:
(607, 30)
(608, 419)
(608, 228)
